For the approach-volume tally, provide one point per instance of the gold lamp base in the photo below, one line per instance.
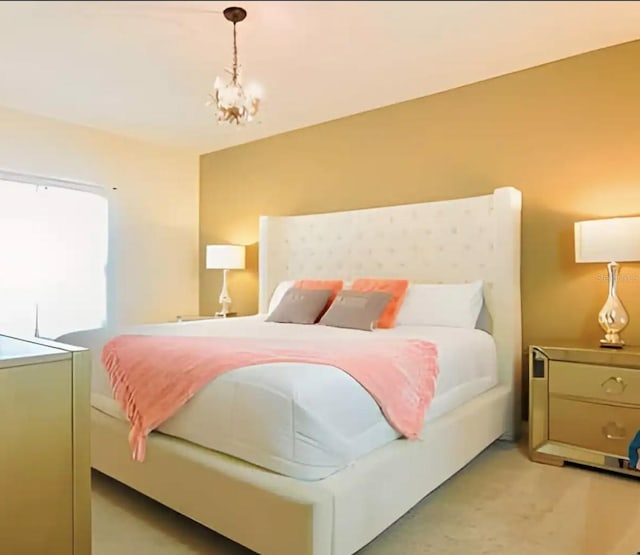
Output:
(608, 344)
(613, 317)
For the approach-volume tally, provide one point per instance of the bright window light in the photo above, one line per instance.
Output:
(53, 256)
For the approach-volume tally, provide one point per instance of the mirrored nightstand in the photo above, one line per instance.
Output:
(584, 407)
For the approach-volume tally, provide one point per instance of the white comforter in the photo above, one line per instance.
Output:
(302, 420)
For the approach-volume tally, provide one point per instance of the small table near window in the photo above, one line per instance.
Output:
(45, 468)
(188, 318)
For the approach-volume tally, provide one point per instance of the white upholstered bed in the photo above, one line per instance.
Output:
(306, 421)
(273, 514)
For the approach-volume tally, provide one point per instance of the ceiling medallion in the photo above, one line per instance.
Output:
(233, 104)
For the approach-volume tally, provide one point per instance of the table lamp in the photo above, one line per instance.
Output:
(225, 258)
(610, 240)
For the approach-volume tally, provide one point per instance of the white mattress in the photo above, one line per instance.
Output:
(303, 420)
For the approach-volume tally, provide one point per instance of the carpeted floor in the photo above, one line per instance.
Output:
(501, 504)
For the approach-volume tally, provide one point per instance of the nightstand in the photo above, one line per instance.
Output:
(584, 406)
(211, 317)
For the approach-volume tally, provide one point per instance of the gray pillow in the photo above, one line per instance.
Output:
(300, 306)
(358, 310)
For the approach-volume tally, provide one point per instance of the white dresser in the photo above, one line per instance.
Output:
(45, 474)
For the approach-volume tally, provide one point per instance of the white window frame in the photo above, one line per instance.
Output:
(39, 181)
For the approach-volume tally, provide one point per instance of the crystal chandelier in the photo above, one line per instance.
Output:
(232, 103)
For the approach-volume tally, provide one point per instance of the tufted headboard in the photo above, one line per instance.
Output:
(448, 241)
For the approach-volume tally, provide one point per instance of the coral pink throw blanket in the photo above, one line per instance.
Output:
(154, 376)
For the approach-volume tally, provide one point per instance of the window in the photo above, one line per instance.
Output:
(53, 256)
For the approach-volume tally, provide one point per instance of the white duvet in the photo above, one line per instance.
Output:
(302, 420)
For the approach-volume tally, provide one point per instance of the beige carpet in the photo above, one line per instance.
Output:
(501, 504)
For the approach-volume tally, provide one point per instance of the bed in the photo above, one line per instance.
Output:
(320, 491)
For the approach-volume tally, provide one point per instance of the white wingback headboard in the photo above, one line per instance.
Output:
(448, 241)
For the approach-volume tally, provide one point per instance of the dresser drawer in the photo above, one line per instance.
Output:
(603, 428)
(603, 383)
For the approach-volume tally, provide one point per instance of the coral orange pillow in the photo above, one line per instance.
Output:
(397, 288)
(334, 284)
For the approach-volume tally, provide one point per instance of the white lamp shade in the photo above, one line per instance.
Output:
(225, 257)
(610, 240)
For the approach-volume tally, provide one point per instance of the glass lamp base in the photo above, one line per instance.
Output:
(613, 317)
(606, 344)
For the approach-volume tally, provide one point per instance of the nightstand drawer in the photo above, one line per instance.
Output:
(603, 383)
(603, 428)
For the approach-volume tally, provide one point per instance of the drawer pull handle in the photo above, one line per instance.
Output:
(613, 431)
(614, 386)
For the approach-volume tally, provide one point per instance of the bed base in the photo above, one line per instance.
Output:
(276, 515)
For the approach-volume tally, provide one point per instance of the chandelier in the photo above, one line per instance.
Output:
(232, 103)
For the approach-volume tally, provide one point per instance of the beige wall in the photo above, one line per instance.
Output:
(153, 232)
(567, 134)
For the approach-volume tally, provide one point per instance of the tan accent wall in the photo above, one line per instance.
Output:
(566, 134)
(153, 215)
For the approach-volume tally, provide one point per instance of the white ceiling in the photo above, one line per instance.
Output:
(144, 69)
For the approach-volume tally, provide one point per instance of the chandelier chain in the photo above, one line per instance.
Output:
(235, 57)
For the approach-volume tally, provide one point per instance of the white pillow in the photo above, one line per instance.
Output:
(455, 305)
(279, 292)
